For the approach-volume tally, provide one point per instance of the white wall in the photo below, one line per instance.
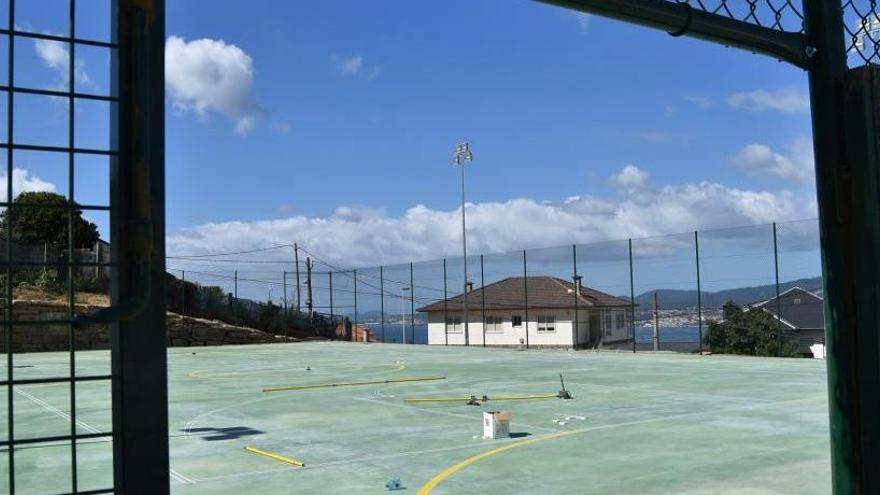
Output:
(563, 336)
(510, 335)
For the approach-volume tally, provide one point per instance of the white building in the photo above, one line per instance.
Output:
(557, 314)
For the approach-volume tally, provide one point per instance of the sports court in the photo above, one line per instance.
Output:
(646, 423)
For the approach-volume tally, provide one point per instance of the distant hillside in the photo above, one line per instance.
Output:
(676, 299)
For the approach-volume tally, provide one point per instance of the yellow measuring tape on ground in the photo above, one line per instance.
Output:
(436, 480)
(274, 456)
(418, 400)
(352, 384)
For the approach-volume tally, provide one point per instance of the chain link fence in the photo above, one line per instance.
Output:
(663, 293)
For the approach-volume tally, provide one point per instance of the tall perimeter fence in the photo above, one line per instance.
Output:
(661, 290)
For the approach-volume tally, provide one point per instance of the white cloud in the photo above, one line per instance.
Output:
(366, 237)
(797, 165)
(206, 75)
(56, 56)
(786, 100)
(355, 67)
(22, 181)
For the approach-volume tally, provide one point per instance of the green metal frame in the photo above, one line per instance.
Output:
(140, 389)
(136, 206)
(846, 153)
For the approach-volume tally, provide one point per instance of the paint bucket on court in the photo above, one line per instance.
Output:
(496, 424)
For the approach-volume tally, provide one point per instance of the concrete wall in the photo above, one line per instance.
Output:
(182, 331)
(510, 335)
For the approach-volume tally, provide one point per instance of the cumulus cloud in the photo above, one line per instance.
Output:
(366, 237)
(797, 165)
(22, 181)
(786, 100)
(55, 55)
(206, 75)
(356, 67)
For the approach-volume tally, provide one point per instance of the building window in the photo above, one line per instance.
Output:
(516, 321)
(620, 319)
(608, 324)
(797, 300)
(494, 324)
(453, 325)
(546, 324)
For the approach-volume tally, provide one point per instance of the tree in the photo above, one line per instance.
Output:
(752, 332)
(42, 217)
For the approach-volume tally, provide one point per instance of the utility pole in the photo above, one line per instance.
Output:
(296, 265)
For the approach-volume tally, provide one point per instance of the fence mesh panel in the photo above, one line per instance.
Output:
(862, 31)
(782, 15)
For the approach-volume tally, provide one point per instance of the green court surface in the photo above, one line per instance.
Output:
(638, 424)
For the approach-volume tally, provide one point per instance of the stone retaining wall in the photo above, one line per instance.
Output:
(182, 330)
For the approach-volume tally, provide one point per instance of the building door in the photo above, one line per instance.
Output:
(595, 328)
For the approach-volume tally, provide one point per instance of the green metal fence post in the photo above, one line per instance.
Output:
(330, 283)
(412, 305)
(632, 296)
(137, 225)
(778, 301)
(844, 115)
(354, 330)
(10, 216)
(483, 297)
(445, 307)
(526, 296)
(699, 291)
(284, 283)
(296, 267)
(382, 300)
(577, 281)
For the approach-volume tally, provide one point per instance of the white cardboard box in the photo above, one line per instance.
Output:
(496, 424)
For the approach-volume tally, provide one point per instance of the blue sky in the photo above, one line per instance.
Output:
(332, 124)
(552, 107)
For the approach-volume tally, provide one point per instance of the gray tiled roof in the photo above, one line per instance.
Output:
(544, 292)
(799, 308)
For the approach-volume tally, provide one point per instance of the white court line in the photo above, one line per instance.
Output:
(87, 427)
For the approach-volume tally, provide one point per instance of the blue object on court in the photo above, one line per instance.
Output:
(393, 485)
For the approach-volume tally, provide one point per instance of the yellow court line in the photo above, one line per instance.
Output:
(436, 480)
(352, 384)
(274, 456)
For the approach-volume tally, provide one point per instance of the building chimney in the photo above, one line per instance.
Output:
(577, 284)
(469, 287)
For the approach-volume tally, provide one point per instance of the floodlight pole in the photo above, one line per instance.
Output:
(462, 155)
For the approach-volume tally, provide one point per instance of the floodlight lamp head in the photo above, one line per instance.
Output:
(462, 152)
